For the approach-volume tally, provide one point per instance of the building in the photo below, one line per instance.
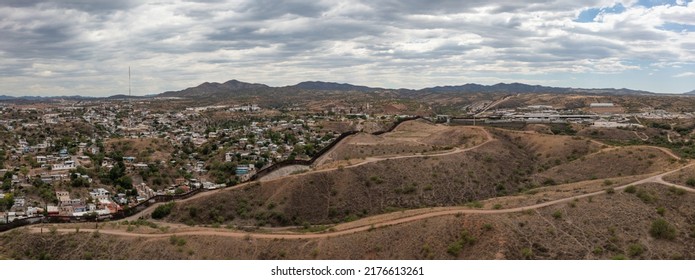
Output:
(601, 105)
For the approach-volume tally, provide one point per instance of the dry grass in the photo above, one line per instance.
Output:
(611, 162)
(409, 138)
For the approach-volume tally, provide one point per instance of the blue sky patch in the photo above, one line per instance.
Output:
(678, 27)
(652, 3)
(589, 15)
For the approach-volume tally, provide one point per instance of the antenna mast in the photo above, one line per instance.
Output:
(128, 80)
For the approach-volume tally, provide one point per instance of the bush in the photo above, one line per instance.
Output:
(162, 211)
(690, 182)
(557, 214)
(661, 229)
(645, 196)
(660, 210)
(527, 253)
(635, 250)
(631, 189)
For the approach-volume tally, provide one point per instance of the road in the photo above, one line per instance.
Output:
(493, 104)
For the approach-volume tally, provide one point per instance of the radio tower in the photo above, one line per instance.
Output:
(128, 81)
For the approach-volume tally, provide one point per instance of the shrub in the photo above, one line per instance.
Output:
(557, 214)
(690, 182)
(610, 191)
(527, 253)
(454, 249)
(162, 211)
(661, 229)
(676, 191)
(549, 182)
(645, 196)
(607, 182)
(635, 250)
(660, 210)
(631, 189)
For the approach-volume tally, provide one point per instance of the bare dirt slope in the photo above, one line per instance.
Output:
(608, 163)
(617, 225)
(410, 137)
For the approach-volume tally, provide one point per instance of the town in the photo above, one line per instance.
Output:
(96, 158)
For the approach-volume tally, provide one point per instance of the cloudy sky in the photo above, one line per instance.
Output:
(84, 47)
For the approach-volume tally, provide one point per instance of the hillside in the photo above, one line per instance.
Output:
(210, 88)
(318, 85)
(507, 165)
(409, 138)
(606, 226)
(633, 160)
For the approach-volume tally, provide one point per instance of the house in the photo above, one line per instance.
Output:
(244, 169)
(140, 165)
(99, 194)
(180, 181)
(228, 157)
(67, 165)
(52, 210)
(601, 105)
(63, 196)
(41, 159)
(65, 210)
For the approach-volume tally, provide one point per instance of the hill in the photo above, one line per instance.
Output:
(690, 92)
(617, 225)
(211, 88)
(358, 188)
(317, 85)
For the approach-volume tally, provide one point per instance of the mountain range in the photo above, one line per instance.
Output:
(208, 88)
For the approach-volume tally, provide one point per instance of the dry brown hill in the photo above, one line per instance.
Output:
(507, 165)
(653, 222)
(408, 138)
(608, 163)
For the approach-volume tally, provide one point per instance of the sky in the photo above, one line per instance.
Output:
(85, 47)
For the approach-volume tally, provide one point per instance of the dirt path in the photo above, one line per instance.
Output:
(646, 137)
(434, 212)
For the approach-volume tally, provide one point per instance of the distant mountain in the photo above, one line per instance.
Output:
(123, 96)
(690, 92)
(43, 98)
(212, 88)
(497, 88)
(218, 90)
(524, 88)
(318, 85)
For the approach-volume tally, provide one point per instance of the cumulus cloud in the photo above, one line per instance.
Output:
(85, 46)
(685, 74)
